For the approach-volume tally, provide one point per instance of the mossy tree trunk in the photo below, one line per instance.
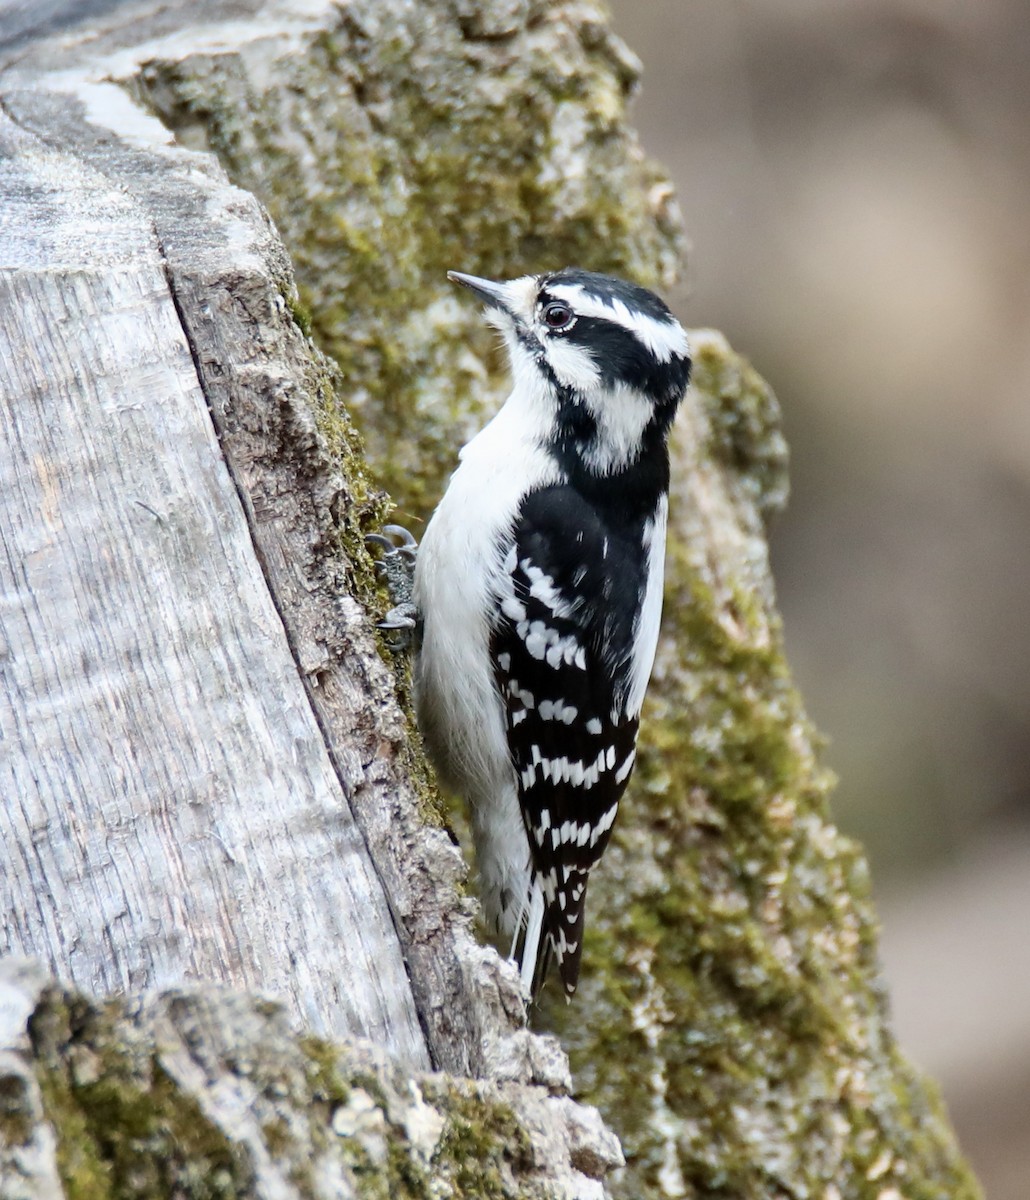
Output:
(209, 775)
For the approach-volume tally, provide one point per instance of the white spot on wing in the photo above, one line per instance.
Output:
(536, 646)
(604, 824)
(513, 608)
(543, 589)
(557, 710)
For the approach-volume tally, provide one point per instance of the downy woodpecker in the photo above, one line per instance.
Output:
(538, 592)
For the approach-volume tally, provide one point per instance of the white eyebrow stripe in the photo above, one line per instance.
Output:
(662, 338)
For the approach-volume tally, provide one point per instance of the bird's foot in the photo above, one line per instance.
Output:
(395, 566)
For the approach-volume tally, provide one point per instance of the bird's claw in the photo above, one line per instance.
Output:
(403, 538)
(396, 568)
(401, 616)
(395, 539)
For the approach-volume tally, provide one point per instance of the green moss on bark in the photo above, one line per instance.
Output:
(744, 419)
(472, 1145)
(15, 1113)
(483, 1150)
(211, 1096)
(124, 1130)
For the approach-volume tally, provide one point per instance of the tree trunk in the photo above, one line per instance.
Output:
(207, 775)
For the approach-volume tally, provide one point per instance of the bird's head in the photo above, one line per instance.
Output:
(605, 356)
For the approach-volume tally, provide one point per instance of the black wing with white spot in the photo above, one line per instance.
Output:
(561, 649)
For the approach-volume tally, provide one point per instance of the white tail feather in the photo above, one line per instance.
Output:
(531, 944)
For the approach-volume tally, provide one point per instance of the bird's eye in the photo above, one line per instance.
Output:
(557, 315)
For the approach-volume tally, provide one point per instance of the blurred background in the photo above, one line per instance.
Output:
(855, 181)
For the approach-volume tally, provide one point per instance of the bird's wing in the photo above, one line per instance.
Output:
(561, 652)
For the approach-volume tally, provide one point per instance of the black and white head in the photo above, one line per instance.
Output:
(603, 360)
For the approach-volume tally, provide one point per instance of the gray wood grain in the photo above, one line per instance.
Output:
(170, 808)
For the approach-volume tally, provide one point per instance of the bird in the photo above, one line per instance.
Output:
(537, 594)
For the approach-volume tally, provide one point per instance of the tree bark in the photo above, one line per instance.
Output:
(208, 1093)
(207, 771)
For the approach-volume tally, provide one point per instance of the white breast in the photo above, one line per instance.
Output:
(459, 577)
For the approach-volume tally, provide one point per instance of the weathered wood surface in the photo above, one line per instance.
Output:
(205, 766)
(171, 810)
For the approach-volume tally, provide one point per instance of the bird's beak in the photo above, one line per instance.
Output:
(494, 295)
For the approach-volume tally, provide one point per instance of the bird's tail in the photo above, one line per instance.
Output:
(547, 932)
